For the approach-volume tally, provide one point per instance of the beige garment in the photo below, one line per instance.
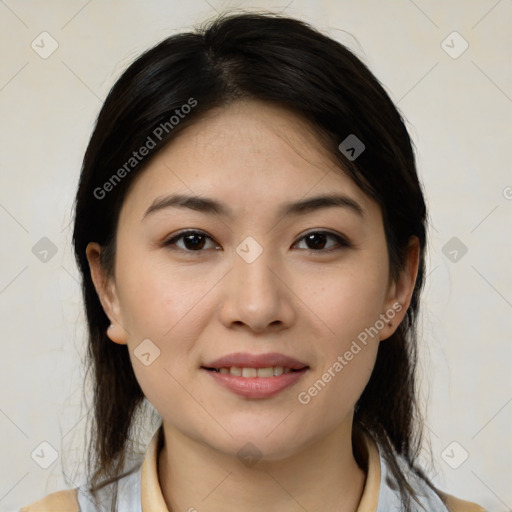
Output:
(153, 501)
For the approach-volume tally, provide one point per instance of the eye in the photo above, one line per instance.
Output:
(193, 241)
(197, 241)
(316, 241)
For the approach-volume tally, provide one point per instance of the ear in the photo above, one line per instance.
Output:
(107, 293)
(400, 290)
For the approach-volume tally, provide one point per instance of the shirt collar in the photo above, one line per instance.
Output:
(151, 493)
(153, 500)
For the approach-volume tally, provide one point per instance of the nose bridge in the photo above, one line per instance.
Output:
(252, 273)
(255, 295)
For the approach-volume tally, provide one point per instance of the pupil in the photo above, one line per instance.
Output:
(191, 245)
(316, 239)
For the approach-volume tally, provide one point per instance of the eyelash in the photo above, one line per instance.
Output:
(341, 241)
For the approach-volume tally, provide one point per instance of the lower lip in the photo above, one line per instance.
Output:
(257, 387)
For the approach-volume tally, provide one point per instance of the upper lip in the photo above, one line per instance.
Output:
(246, 360)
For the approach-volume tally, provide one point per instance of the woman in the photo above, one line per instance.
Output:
(250, 230)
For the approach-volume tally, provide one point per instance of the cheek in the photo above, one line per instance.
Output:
(329, 397)
(349, 305)
(162, 311)
(347, 357)
(349, 302)
(166, 387)
(156, 297)
(170, 305)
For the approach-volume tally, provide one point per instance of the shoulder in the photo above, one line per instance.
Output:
(454, 504)
(126, 488)
(430, 498)
(61, 501)
(434, 499)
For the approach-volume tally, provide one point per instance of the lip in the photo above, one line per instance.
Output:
(256, 387)
(246, 360)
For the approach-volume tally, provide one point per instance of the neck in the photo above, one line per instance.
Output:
(323, 476)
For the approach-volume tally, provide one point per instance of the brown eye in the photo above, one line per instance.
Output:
(192, 241)
(318, 240)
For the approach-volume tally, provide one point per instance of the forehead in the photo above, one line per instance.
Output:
(249, 152)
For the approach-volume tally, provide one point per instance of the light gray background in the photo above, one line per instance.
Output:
(459, 113)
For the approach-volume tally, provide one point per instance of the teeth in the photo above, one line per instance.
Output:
(270, 371)
(266, 372)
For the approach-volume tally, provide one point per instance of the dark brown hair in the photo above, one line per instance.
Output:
(286, 62)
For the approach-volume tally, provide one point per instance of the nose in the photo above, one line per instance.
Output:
(256, 295)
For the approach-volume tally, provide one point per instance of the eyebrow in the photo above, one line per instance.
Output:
(213, 207)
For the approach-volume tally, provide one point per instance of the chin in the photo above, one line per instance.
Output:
(265, 443)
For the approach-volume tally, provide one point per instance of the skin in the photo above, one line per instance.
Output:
(296, 298)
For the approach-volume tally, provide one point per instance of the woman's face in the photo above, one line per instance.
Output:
(252, 311)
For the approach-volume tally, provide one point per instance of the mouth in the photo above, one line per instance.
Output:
(271, 363)
(248, 373)
(256, 376)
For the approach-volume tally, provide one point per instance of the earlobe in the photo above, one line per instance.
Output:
(401, 290)
(106, 290)
(117, 334)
